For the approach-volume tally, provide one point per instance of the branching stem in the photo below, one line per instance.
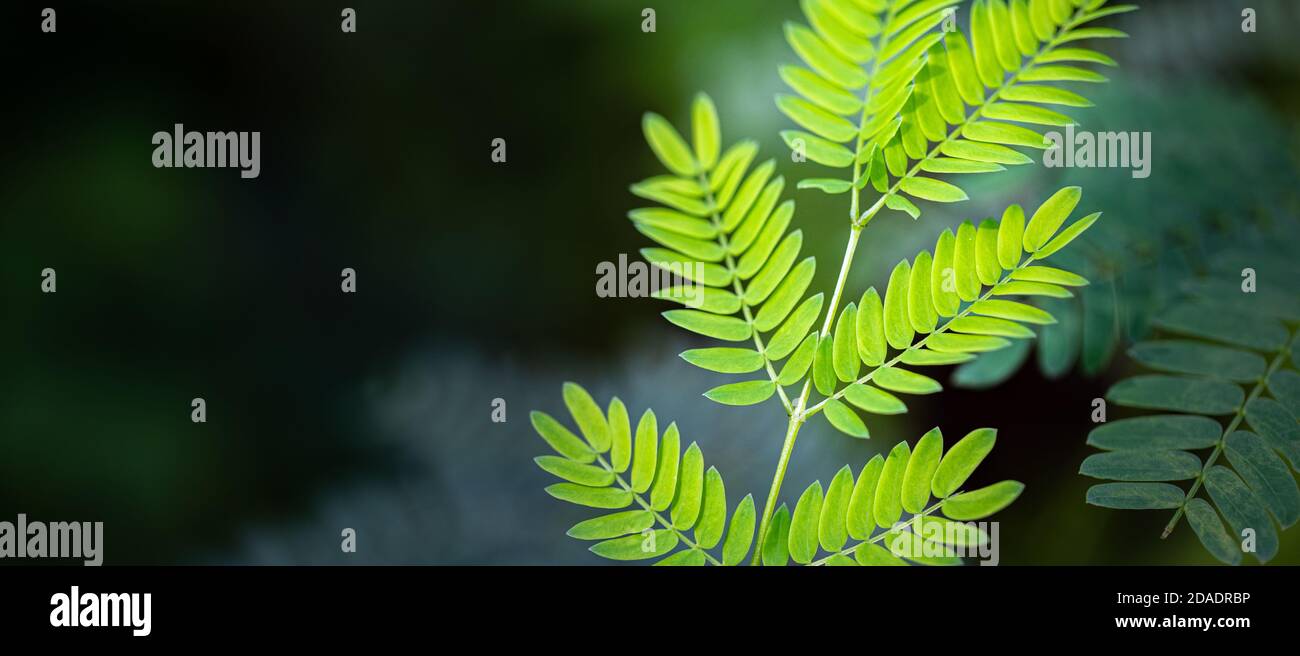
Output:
(797, 412)
(921, 344)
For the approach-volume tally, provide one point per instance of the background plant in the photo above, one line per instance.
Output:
(1226, 367)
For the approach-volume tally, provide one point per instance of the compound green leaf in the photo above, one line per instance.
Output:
(741, 534)
(795, 328)
(1023, 288)
(713, 511)
(786, 296)
(560, 438)
(897, 325)
(1209, 529)
(1284, 384)
(823, 367)
(613, 525)
(620, 435)
(956, 343)
(1158, 392)
(705, 130)
(725, 360)
(906, 382)
(1243, 510)
(1003, 309)
(845, 419)
(775, 270)
(667, 145)
(730, 329)
(665, 486)
(794, 369)
(873, 400)
(1066, 236)
(690, 491)
(859, 519)
(983, 502)
(804, 524)
(963, 259)
(870, 329)
(987, 267)
(943, 276)
(1198, 358)
(990, 326)
(1049, 275)
(887, 506)
(776, 552)
(1158, 432)
(831, 531)
(592, 497)
(932, 190)
(920, 470)
(874, 554)
(1135, 496)
(1142, 465)
(685, 558)
(746, 392)
(1206, 321)
(588, 416)
(575, 472)
(961, 460)
(646, 452)
(637, 547)
(1266, 474)
(845, 346)
(1049, 216)
(826, 185)
(920, 307)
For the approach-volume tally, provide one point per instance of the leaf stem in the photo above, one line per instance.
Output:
(918, 345)
(739, 290)
(855, 232)
(1237, 417)
(797, 415)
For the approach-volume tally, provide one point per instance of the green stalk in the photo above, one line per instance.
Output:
(855, 232)
(797, 415)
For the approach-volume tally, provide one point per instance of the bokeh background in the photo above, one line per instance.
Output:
(476, 280)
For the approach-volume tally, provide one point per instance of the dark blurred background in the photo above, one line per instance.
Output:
(476, 280)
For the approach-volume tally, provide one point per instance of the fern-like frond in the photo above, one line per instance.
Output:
(861, 522)
(942, 308)
(678, 502)
(931, 102)
(723, 228)
(1228, 355)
